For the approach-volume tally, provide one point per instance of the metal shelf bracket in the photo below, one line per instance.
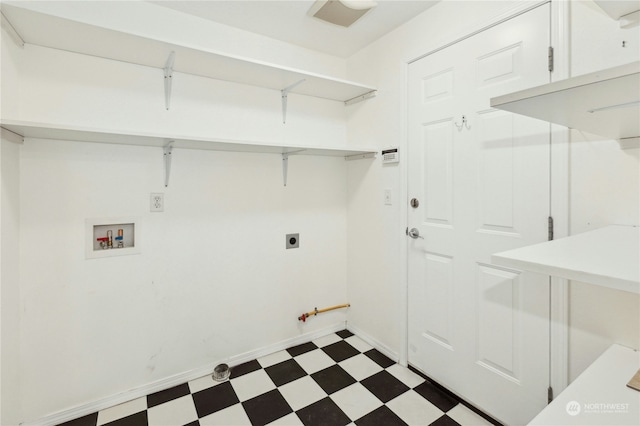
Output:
(285, 164)
(168, 78)
(167, 162)
(285, 167)
(285, 95)
(361, 98)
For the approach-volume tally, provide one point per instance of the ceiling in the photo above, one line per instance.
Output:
(288, 21)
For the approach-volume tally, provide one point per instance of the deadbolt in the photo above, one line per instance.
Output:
(414, 203)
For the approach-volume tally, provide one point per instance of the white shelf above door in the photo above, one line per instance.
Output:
(608, 257)
(73, 36)
(605, 103)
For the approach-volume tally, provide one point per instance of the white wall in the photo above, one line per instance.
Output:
(9, 280)
(9, 246)
(214, 281)
(605, 189)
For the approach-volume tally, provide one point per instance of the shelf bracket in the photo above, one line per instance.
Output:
(168, 78)
(285, 167)
(285, 164)
(361, 98)
(167, 162)
(285, 95)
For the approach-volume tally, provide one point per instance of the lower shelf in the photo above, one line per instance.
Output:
(599, 396)
(607, 257)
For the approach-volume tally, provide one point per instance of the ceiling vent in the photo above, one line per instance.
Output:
(341, 12)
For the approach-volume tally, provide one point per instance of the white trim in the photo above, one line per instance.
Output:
(404, 212)
(559, 339)
(560, 166)
(178, 379)
(284, 344)
(381, 347)
(521, 8)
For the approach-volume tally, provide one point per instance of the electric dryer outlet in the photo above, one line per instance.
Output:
(292, 241)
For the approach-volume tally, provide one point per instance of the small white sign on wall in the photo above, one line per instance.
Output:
(390, 156)
(107, 237)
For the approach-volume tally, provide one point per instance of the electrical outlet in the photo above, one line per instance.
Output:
(387, 197)
(157, 202)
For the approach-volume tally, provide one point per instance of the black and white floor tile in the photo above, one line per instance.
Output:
(335, 380)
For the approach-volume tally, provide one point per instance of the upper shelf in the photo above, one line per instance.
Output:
(59, 33)
(605, 103)
(609, 257)
(73, 133)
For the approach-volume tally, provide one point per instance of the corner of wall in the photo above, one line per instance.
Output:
(9, 282)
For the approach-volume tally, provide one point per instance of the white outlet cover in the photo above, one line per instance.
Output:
(387, 197)
(156, 202)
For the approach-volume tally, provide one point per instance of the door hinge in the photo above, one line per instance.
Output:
(550, 55)
(550, 228)
(549, 395)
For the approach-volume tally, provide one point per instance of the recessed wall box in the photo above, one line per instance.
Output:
(390, 155)
(111, 237)
(292, 241)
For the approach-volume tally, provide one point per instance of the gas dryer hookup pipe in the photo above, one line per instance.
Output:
(317, 311)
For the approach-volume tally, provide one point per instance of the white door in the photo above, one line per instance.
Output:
(481, 177)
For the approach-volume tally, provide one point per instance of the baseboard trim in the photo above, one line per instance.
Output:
(384, 349)
(178, 379)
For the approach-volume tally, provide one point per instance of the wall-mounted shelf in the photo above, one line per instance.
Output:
(599, 396)
(608, 257)
(64, 34)
(167, 143)
(605, 103)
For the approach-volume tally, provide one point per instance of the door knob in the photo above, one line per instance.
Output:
(414, 233)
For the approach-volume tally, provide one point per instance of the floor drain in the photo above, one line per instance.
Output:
(221, 372)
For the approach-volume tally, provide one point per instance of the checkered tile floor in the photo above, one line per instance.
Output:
(335, 380)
